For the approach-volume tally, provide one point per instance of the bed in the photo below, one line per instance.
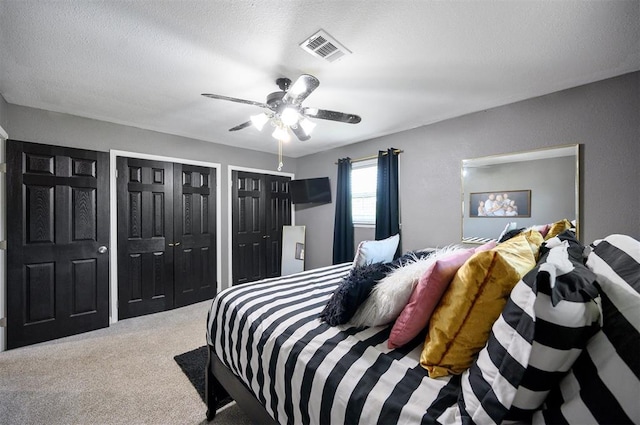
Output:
(271, 353)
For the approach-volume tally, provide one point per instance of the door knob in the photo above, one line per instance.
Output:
(266, 237)
(102, 250)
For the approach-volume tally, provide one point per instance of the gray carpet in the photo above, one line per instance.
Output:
(124, 374)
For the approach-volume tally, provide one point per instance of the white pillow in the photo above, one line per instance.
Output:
(392, 293)
(512, 225)
(382, 251)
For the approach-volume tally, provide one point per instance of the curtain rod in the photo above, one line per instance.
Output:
(366, 158)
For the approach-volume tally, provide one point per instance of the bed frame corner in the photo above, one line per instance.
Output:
(211, 387)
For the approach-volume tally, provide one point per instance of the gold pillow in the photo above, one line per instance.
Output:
(460, 325)
(558, 227)
(522, 251)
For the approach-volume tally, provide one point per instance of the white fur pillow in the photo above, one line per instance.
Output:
(391, 294)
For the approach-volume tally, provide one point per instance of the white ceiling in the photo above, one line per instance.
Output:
(145, 63)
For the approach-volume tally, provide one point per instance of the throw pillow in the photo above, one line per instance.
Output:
(542, 228)
(535, 340)
(352, 291)
(511, 226)
(510, 234)
(390, 296)
(558, 227)
(603, 384)
(381, 251)
(461, 323)
(427, 293)
(411, 256)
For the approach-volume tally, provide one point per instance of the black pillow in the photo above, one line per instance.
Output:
(353, 290)
(410, 257)
(510, 234)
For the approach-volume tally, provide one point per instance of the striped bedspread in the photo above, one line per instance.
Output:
(306, 372)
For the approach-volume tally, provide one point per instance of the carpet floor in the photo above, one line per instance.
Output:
(123, 374)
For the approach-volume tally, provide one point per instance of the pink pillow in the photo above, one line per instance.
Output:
(486, 247)
(542, 228)
(427, 293)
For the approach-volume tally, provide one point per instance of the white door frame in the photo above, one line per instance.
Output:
(113, 226)
(3, 239)
(230, 170)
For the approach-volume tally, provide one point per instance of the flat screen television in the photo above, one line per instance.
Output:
(306, 191)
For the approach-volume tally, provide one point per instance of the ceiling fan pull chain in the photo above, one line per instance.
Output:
(280, 164)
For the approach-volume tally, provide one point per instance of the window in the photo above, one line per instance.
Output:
(364, 177)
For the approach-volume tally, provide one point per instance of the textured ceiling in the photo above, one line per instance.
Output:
(145, 63)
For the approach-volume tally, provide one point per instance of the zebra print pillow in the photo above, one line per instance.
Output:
(544, 326)
(604, 382)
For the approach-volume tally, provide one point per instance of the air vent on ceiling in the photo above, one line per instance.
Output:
(324, 46)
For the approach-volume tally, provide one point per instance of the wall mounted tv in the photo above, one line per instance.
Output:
(306, 191)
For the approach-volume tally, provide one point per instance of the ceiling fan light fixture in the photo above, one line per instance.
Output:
(259, 120)
(289, 116)
(311, 111)
(285, 112)
(307, 125)
(281, 133)
(300, 86)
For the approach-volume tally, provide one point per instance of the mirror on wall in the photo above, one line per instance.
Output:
(292, 249)
(520, 190)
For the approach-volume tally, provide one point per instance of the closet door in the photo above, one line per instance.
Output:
(249, 235)
(58, 238)
(195, 259)
(278, 214)
(145, 232)
(261, 206)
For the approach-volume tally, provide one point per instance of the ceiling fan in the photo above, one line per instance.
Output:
(285, 110)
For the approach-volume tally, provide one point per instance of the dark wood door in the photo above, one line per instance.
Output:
(248, 239)
(195, 256)
(277, 214)
(145, 230)
(58, 240)
(261, 206)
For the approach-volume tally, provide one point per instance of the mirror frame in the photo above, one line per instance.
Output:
(509, 159)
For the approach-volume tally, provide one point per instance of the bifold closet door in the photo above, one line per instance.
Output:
(195, 257)
(261, 206)
(58, 239)
(167, 254)
(248, 226)
(145, 236)
(277, 215)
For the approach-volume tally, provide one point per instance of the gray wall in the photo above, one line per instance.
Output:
(36, 125)
(3, 113)
(604, 117)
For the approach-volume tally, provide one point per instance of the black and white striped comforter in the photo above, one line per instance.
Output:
(306, 372)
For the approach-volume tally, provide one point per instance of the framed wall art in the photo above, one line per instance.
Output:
(500, 203)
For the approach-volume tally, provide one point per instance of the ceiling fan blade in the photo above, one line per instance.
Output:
(301, 89)
(324, 114)
(241, 126)
(234, 99)
(300, 134)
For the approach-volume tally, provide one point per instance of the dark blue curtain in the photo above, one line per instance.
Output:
(343, 225)
(387, 200)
